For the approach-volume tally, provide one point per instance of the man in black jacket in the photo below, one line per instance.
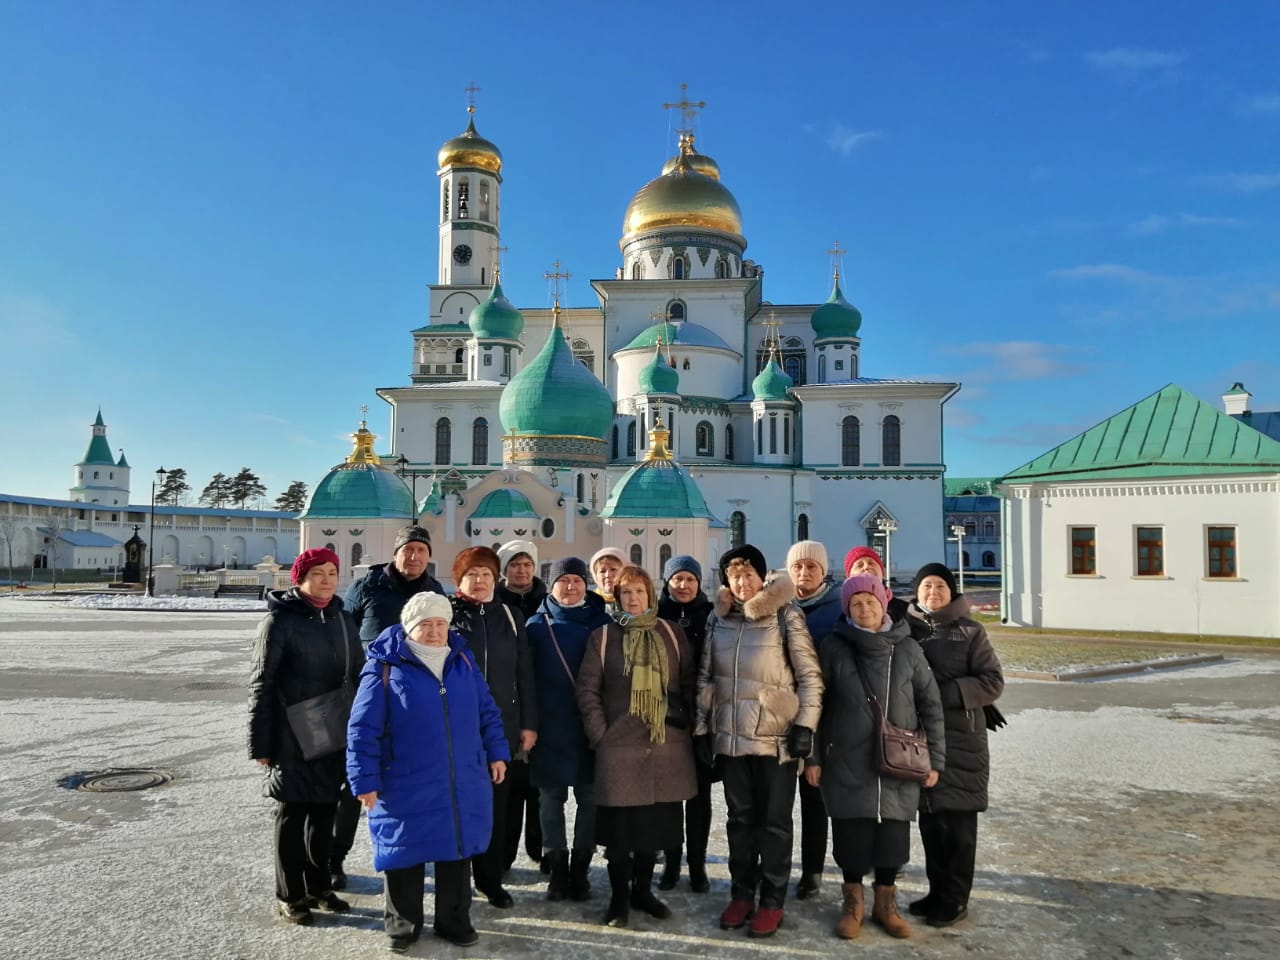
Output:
(375, 601)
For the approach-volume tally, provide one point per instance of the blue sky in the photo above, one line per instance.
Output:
(217, 221)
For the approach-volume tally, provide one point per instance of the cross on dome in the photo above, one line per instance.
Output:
(836, 253)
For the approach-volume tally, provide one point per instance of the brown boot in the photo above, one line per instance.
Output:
(851, 912)
(885, 912)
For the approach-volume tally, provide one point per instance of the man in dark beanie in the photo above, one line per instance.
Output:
(375, 601)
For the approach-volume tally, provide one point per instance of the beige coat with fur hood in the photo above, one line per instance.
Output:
(754, 682)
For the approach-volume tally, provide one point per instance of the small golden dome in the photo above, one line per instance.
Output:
(470, 150)
(684, 197)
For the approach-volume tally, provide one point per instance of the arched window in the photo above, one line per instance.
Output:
(737, 529)
(631, 439)
(327, 546)
(357, 552)
(728, 441)
(722, 269)
(676, 311)
(457, 355)
(637, 271)
(582, 488)
(664, 554)
(637, 554)
(679, 267)
(802, 527)
(966, 558)
(759, 435)
(464, 198)
(583, 353)
(791, 366)
(850, 442)
(891, 444)
(988, 560)
(613, 445)
(705, 439)
(480, 441)
(822, 368)
(484, 200)
(444, 441)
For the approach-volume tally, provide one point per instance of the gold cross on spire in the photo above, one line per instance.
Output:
(471, 90)
(497, 250)
(688, 108)
(364, 411)
(771, 333)
(555, 277)
(837, 258)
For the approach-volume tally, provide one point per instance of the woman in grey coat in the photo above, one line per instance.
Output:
(870, 813)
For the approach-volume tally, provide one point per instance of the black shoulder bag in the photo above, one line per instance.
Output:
(319, 724)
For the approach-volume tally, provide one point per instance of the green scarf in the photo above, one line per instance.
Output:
(644, 659)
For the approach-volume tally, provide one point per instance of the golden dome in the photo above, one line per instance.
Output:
(699, 161)
(470, 150)
(684, 197)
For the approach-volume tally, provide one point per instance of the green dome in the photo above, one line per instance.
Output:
(359, 490)
(771, 383)
(657, 487)
(496, 318)
(556, 396)
(505, 505)
(837, 317)
(685, 334)
(658, 376)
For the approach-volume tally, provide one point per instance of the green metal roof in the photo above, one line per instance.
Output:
(122, 462)
(658, 376)
(771, 383)
(968, 486)
(359, 491)
(1170, 433)
(445, 329)
(837, 317)
(99, 450)
(679, 334)
(496, 318)
(504, 505)
(656, 489)
(555, 395)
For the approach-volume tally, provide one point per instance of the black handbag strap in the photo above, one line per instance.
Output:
(346, 651)
(874, 706)
(560, 653)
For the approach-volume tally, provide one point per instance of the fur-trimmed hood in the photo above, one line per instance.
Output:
(775, 595)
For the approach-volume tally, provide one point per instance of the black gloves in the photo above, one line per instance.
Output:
(800, 742)
(703, 750)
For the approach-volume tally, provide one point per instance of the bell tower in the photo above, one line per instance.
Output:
(470, 187)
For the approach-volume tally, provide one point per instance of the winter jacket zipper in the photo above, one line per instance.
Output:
(453, 779)
(737, 654)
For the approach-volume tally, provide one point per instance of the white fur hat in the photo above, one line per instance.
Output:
(512, 549)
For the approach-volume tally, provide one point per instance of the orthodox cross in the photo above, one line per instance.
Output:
(771, 333)
(497, 250)
(471, 90)
(837, 258)
(688, 108)
(364, 413)
(555, 277)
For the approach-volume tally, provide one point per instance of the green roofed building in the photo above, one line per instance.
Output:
(100, 477)
(1160, 518)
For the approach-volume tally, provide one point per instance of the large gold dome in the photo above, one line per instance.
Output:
(683, 198)
(470, 150)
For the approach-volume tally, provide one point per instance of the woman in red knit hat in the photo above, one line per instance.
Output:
(306, 645)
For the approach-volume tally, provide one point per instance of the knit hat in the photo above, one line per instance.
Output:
(606, 552)
(747, 552)
(424, 606)
(682, 562)
(565, 567)
(411, 534)
(808, 550)
(856, 554)
(864, 583)
(311, 558)
(512, 549)
(935, 570)
(474, 557)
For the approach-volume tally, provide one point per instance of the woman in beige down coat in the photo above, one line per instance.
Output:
(759, 701)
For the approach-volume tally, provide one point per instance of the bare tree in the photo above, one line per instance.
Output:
(9, 530)
(58, 521)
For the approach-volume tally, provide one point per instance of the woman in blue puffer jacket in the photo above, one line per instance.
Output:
(424, 746)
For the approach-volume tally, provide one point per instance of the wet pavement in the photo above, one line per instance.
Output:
(1131, 817)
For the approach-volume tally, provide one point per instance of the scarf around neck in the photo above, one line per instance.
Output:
(644, 659)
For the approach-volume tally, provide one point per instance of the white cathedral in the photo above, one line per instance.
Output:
(680, 413)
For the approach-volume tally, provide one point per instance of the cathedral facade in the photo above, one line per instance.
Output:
(763, 408)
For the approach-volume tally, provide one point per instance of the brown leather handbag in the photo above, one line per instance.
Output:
(901, 754)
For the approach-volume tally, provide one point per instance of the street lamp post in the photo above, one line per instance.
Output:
(225, 552)
(958, 532)
(151, 533)
(888, 528)
(402, 468)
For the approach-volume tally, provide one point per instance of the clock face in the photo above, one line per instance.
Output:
(462, 253)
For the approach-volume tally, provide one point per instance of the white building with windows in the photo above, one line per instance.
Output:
(1161, 518)
(767, 405)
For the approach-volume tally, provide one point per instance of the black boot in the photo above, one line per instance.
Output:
(579, 885)
(670, 870)
(642, 897)
(698, 881)
(557, 864)
(619, 889)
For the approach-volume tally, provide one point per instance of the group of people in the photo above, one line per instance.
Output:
(476, 715)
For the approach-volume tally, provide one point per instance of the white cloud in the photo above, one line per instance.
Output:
(1020, 360)
(1159, 223)
(844, 141)
(1133, 60)
(1241, 182)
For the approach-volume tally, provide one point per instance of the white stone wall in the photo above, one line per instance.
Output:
(1040, 590)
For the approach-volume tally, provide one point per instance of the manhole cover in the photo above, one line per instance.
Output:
(215, 685)
(115, 781)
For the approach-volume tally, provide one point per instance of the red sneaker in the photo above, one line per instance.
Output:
(766, 922)
(736, 914)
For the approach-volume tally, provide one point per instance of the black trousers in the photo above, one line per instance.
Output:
(303, 834)
(345, 823)
(522, 812)
(760, 793)
(697, 822)
(404, 899)
(488, 866)
(950, 847)
(861, 844)
(813, 829)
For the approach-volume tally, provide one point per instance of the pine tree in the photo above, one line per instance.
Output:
(293, 499)
(174, 487)
(244, 486)
(218, 492)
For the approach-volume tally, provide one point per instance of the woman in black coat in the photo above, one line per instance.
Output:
(306, 645)
(969, 678)
(871, 814)
(496, 639)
